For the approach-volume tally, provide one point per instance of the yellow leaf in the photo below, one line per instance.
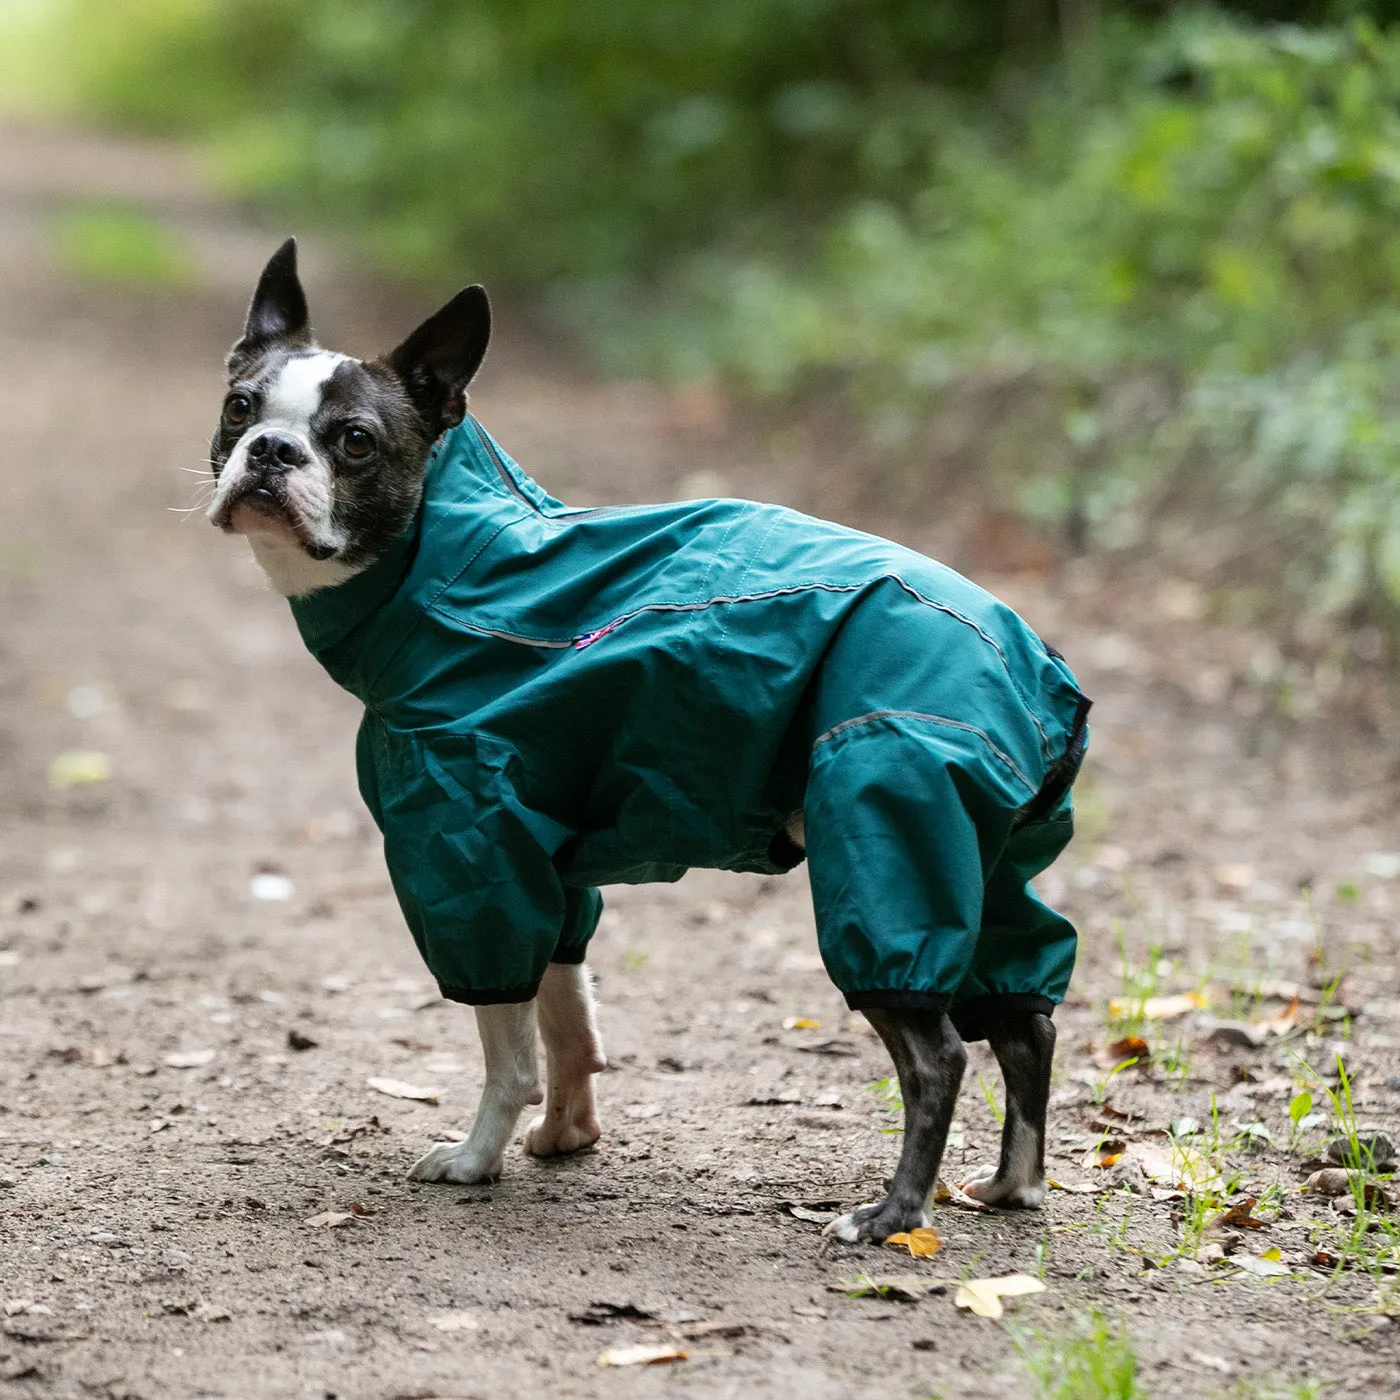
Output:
(802, 1023)
(642, 1355)
(922, 1243)
(983, 1295)
(74, 767)
(1271, 1253)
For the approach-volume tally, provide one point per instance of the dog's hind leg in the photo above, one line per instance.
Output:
(574, 1054)
(929, 1059)
(512, 1081)
(1024, 1045)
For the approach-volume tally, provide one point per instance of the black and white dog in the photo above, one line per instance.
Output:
(319, 459)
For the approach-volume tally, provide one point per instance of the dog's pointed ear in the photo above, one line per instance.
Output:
(277, 312)
(437, 362)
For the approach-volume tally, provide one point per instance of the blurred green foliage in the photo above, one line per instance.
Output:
(112, 242)
(1168, 234)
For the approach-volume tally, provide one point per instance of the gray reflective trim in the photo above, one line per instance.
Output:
(596, 633)
(931, 719)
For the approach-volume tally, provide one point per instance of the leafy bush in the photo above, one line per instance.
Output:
(1170, 236)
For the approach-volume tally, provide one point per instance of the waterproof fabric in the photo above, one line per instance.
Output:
(560, 699)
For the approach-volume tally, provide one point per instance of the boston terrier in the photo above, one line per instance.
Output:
(559, 699)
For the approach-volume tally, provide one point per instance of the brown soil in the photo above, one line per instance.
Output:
(154, 1235)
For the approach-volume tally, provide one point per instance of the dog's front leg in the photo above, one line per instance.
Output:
(512, 1081)
(574, 1054)
(929, 1059)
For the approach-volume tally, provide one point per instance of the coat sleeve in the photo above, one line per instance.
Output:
(472, 865)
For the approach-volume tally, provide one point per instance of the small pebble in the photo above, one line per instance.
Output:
(1373, 1151)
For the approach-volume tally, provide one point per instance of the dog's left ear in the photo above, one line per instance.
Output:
(278, 310)
(437, 362)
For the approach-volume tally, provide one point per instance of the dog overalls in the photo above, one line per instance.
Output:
(560, 699)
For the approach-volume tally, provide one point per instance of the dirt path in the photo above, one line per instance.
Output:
(162, 1146)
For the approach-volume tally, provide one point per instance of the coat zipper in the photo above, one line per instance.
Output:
(513, 486)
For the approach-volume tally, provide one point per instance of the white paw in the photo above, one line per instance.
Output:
(460, 1162)
(554, 1135)
(873, 1221)
(845, 1227)
(984, 1185)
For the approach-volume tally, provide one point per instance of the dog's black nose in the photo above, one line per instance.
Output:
(276, 452)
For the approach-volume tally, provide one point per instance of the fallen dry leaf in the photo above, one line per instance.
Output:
(815, 1215)
(1126, 1115)
(1239, 1216)
(646, 1354)
(947, 1195)
(98, 1056)
(802, 1023)
(331, 1219)
(903, 1288)
(76, 767)
(1130, 1047)
(348, 1132)
(1268, 1264)
(922, 1243)
(1106, 1153)
(983, 1295)
(1083, 1188)
(397, 1089)
(599, 1314)
(1158, 1008)
(1285, 1021)
(454, 1322)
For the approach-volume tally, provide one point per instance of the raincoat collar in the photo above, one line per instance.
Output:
(329, 615)
(470, 494)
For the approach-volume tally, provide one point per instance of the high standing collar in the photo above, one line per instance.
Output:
(355, 629)
(329, 615)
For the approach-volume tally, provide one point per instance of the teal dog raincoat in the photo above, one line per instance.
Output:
(559, 699)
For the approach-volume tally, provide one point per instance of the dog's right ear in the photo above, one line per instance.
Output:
(278, 310)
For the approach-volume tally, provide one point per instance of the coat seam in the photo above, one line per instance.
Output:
(876, 715)
(701, 604)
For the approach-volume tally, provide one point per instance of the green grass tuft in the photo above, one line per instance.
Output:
(1096, 1360)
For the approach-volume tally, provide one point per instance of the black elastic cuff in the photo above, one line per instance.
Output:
(570, 957)
(972, 1019)
(897, 1001)
(490, 996)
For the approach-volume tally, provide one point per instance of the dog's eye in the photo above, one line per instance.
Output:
(357, 443)
(238, 409)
